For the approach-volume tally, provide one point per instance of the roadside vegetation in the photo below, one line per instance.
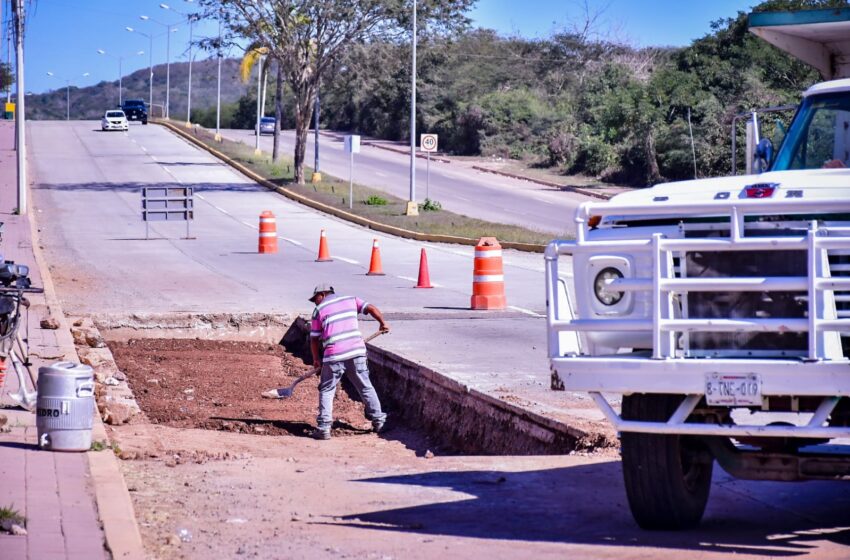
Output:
(579, 103)
(371, 203)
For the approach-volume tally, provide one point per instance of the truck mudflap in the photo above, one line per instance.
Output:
(734, 380)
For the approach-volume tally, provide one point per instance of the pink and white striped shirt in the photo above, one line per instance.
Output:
(335, 324)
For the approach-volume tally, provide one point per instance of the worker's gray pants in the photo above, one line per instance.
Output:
(358, 373)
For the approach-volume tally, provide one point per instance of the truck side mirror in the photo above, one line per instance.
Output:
(763, 155)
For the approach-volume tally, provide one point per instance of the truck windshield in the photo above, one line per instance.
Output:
(819, 136)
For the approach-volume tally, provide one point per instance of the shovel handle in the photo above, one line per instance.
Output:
(374, 335)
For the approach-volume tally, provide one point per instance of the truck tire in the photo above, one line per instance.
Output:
(667, 477)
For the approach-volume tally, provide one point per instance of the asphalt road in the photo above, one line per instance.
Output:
(458, 187)
(86, 200)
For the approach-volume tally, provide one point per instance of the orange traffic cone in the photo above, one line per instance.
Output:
(324, 252)
(424, 277)
(375, 267)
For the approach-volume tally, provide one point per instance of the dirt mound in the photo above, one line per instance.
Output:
(216, 385)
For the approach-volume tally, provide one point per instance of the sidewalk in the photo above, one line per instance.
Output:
(54, 492)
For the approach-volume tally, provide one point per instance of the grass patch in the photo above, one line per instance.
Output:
(10, 516)
(371, 203)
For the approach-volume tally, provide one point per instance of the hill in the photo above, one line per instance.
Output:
(90, 102)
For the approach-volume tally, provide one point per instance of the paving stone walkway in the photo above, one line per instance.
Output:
(53, 491)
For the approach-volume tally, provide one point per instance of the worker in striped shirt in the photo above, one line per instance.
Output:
(338, 347)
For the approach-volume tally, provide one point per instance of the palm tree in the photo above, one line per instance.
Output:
(252, 56)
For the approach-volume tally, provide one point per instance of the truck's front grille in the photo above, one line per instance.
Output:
(746, 305)
(839, 266)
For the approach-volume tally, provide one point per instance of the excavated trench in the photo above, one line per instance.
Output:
(208, 371)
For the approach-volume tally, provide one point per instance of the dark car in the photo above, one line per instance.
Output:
(267, 125)
(135, 110)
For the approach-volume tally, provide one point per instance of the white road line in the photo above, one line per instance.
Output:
(344, 259)
(416, 280)
(298, 243)
(525, 311)
(252, 226)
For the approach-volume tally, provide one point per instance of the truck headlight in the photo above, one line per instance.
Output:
(604, 294)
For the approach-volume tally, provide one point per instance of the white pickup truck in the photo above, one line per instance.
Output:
(719, 309)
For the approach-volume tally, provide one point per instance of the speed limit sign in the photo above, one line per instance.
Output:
(428, 143)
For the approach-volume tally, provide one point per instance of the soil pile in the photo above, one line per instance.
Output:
(216, 385)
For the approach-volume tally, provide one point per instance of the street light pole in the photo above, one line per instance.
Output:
(259, 109)
(412, 208)
(169, 30)
(189, 93)
(218, 93)
(20, 110)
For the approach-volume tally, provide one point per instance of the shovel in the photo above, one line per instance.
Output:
(286, 392)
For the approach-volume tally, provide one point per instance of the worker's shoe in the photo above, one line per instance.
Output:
(379, 426)
(321, 434)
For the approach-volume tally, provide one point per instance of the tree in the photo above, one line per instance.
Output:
(308, 36)
(7, 78)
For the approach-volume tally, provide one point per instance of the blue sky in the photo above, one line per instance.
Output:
(63, 36)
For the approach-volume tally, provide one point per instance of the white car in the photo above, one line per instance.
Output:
(114, 120)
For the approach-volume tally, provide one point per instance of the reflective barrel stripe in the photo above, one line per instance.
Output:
(268, 220)
(268, 234)
(488, 254)
(489, 278)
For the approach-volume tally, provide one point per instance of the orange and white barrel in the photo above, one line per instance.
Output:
(488, 276)
(268, 232)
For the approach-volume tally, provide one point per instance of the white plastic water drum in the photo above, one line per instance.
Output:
(65, 406)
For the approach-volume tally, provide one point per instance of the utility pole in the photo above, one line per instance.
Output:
(20, 113)
(317, 174)
(259, 109)
(218, 93)
(412, 208)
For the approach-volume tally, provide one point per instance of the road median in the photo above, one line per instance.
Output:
(328, 197)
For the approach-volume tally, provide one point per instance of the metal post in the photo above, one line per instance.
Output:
(20, 112)
(428, 177)
(189, 95)
(150, 77)
(218, 93)
(693, 146)
(412, 209)
(67, 100)
(167, 72)
(259, 85)
(351, 180)
(9, 60)
(316, 109)
(120, 82)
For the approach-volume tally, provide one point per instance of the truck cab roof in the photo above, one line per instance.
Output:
(817, 37)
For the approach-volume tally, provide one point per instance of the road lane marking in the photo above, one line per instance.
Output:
(416, 280)
(526, 311)
(344, 259)
(298, 243)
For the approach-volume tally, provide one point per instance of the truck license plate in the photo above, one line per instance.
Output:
(733, 390)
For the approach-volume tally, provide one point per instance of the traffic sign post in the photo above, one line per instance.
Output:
(352, 146)
(428, 144)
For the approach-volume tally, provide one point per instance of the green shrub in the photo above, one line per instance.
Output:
(430, 206)
(376, 200)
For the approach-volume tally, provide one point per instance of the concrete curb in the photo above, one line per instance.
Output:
(579, 190)
(114, 506)
(365, 222)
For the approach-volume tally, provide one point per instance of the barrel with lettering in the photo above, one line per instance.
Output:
(65, 407)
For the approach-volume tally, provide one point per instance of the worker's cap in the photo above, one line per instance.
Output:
(321, 289)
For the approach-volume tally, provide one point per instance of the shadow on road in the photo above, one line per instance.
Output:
(586, 504)
(137, 187)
